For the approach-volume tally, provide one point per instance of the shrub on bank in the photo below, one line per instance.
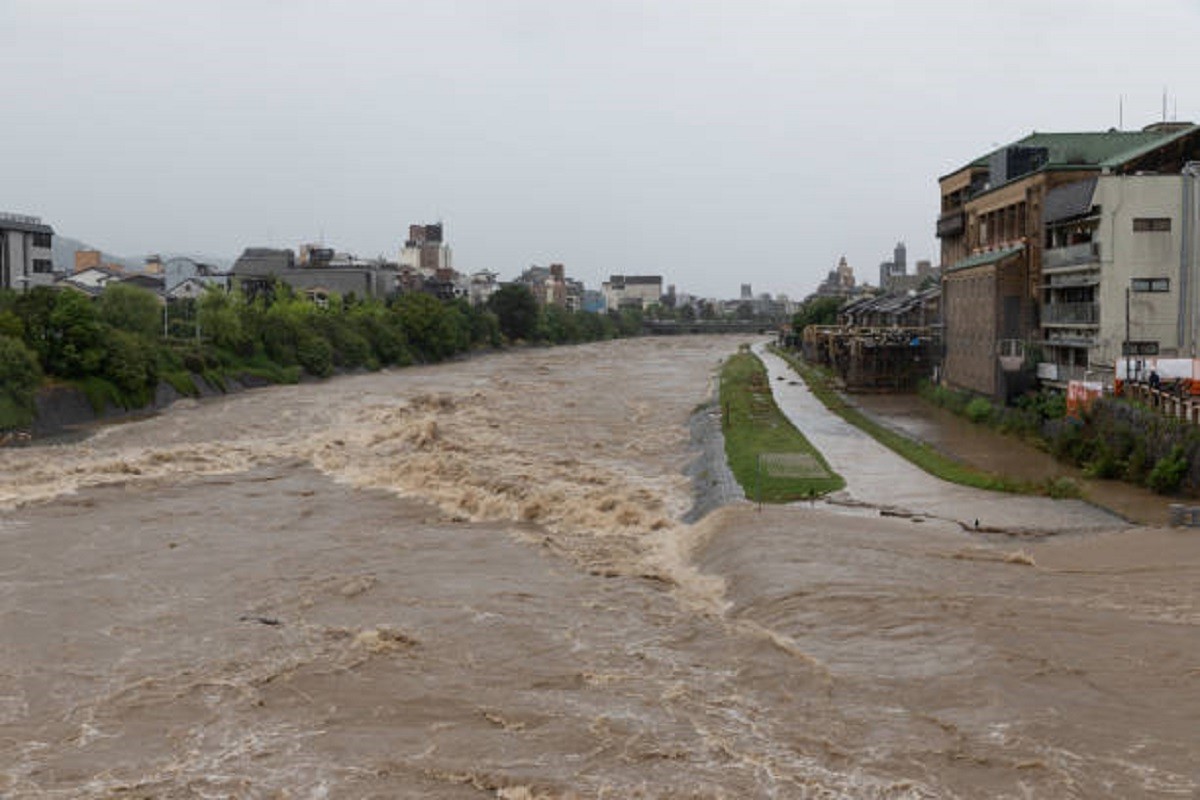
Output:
(1114, 439)
(978, 410)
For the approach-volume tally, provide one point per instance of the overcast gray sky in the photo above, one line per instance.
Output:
(714, 143)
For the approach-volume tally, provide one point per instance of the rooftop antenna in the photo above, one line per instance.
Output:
(1164, 119)
(1120, 112)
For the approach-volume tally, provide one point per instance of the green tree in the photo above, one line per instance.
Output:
(594, 327)
(314, 353)
(433, 330)
(558, 325)
(221, 318)
(485, 327)
(517, 311)
(11, 325)
(131, 364)
(34, 308)
(817, 311)
(628, 321)
(20, 377)
(283, 324)
(130, 308)
(75, 349)
(383, 332)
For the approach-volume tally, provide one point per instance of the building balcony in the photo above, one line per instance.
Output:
(1071, 314)
(1064, 373)
(951, 223)
(1071, 256)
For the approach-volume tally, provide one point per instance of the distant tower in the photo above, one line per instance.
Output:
(896, 268)
(845, 274)
(747, 294)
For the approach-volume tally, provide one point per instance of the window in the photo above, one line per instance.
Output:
(41, 240)
(42, 265)
(1151, 284)
(1147, 224)
(1139, 348)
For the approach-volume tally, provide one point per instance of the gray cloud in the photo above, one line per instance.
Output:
(716, 143)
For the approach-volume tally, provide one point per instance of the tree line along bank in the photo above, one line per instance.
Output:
(118, 347)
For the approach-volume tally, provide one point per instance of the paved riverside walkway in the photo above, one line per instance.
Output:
(877, 477)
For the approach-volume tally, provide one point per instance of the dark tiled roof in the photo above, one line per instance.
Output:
(1092, 149)
(16, 222)
(1069, 200)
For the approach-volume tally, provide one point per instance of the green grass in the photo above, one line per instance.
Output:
(790, 468)
(181, 381)
(13, 416)
(936, 463)
(101, 393)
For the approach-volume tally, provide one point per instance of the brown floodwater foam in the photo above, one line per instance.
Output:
(479, 580)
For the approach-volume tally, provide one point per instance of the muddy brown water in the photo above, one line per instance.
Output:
(475, 580)
(1008, 455)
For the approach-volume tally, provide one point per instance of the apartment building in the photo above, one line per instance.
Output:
(995, 210)
(25, 259)
(638, 291)
(257, 267)
(1119, 274)
(425, 250)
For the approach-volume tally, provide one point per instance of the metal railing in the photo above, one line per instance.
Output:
(1071, 255)
(1071, 314)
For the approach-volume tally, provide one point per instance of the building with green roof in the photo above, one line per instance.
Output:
(992, 228)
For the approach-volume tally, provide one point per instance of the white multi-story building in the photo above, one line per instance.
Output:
(25, 259)
(1120, 273)
(639, 291)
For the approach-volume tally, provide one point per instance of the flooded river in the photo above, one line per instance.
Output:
(493, 578)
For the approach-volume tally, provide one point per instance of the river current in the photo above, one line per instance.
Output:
(496, 578)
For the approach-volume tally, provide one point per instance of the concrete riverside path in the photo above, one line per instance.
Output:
(879, 478)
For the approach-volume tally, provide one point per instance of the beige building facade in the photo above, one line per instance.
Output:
(1006, 222)
(639, 291)
(1120, 277)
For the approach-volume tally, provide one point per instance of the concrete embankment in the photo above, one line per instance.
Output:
(63, 408)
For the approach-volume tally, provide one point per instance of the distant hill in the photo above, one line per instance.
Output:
(64, 248)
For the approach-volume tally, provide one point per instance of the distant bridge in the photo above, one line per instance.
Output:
(670, 327)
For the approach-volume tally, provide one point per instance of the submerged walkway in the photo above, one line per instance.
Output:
(877, 477)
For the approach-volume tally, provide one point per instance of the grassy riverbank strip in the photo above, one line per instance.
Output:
(770, 458)
(922, 455)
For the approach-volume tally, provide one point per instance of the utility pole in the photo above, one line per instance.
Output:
(1128, 343)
